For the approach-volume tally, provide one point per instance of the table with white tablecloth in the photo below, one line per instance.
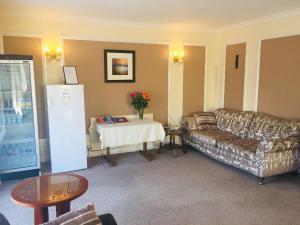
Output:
(135, 131)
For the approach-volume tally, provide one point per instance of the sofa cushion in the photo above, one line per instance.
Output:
(235, 122)
(243, 147)
(264, 127)
(211, 136)
(84, 216)
(188, 123)
(205, 120)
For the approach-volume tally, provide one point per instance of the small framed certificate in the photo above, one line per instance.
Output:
(70, 75)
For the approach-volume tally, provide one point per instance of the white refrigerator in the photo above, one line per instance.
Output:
(66, 123)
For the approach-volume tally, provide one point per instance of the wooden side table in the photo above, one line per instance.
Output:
(172, 133)
(49, 190)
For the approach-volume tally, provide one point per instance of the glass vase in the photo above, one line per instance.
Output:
(141, 114)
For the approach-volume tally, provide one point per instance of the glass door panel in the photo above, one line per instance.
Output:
(17, 134)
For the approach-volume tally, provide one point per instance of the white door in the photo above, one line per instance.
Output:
(66, 122)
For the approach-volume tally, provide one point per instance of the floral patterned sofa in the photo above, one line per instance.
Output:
(261, 144)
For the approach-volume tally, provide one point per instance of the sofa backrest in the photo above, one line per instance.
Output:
(264, 126)
(235, 122)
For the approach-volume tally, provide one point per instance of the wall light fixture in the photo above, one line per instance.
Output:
(53, 53)
(178, 56)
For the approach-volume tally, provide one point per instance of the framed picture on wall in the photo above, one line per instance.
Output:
(119, 66)
(70, 75)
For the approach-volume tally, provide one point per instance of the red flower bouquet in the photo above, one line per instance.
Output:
(140, 101)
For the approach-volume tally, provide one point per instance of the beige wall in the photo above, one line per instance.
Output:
(280, 77)
(193, 79)
(113, 98)
(251, 34)
(215, 44)
(1, 44)
(30, 46)
(234, 78)
(53, 31)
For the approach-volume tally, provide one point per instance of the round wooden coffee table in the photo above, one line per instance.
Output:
(49, 190)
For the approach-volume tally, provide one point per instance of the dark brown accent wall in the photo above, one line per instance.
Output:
(234, 78)
(31, 46)
(279, 77)
(193, 79)
(113, 98)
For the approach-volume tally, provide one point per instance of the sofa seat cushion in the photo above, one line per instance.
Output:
(211, 136)
(235, 122)
(243, 147)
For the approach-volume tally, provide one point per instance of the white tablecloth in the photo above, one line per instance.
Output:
(134, 131)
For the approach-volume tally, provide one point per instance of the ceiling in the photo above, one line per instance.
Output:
(173, 14)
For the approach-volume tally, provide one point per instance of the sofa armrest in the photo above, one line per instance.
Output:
(188, 123)
(277, 145)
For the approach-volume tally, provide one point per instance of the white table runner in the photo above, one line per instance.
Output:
(134, 131)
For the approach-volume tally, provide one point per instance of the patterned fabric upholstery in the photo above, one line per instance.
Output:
(226, 156)
(84, 216)
(236, 122)
(205, 120)
(211, 136)
(242, 146)
(277, 162)
(265, 127)
(277, 145)
(258, 143)
(263, 165)
(224, 118)
(188, 123)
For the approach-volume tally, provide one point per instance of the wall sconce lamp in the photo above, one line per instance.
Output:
(53, 53)
(178, 56)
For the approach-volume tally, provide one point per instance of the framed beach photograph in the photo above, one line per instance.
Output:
(70, 75)
(119, 66)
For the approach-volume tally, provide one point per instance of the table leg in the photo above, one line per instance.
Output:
(62, 208)
(174, 146)
(108, 158)
(183, 145)
(160, 148)
(146, 153)
(41, 215)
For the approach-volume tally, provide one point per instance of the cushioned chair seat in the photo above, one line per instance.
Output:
(107, 219)
(211, 136)
(3, 220)
(242, 147)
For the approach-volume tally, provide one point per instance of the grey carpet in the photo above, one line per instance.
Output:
(189, 190)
